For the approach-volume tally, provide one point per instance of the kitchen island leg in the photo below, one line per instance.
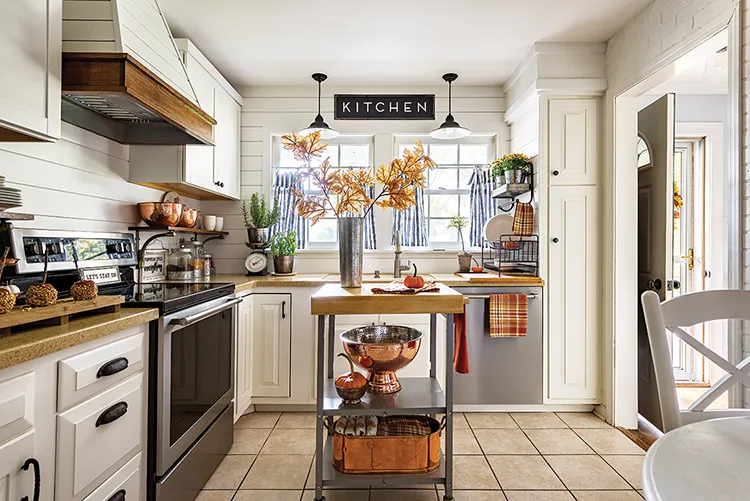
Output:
(321, 374)
(449, 408)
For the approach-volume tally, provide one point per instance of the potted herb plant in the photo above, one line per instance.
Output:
(513, 167)
(283, 247)
(464, 258)
(258, 217)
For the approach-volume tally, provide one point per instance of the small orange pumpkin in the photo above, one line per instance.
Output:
(352, 380)
(414, 281)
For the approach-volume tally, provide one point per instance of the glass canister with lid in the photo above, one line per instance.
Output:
(209, 268)
(198, 253)
(180, 264)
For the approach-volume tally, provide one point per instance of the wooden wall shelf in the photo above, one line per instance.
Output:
(15, 216)
(179, 229)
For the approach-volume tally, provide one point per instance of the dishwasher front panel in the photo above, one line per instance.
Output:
(503, 371)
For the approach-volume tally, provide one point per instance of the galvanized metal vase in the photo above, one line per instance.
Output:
(351, 250)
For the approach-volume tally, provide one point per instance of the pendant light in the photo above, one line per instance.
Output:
(319, 125)
(450, 129)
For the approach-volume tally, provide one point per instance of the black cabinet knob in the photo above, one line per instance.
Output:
(555, 240)
(555, 172)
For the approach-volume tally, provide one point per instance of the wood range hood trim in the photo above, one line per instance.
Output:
(162, 114)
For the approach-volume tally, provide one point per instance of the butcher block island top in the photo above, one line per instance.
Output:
(332, 299)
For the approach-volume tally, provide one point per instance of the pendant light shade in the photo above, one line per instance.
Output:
(450, 129)
(318, 124)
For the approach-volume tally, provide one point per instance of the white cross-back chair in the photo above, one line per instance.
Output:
(686, 311)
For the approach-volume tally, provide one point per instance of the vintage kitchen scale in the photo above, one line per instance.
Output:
(256, 263)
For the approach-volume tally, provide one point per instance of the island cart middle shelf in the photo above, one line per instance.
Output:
(417, 396)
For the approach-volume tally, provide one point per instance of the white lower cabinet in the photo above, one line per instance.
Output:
(92, 450)
(94, 437)
(271, 345)
(572, 294)
(243, 351)
(16, 483)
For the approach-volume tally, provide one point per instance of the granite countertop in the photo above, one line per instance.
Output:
(244, 283)
(37, 342)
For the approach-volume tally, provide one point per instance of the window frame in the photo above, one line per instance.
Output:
(342, 140)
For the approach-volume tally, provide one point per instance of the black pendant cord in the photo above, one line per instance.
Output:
(450, 99)
(320, 117)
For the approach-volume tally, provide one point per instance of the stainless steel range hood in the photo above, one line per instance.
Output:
(122, 76)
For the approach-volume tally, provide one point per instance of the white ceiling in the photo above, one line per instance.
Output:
(385, 42)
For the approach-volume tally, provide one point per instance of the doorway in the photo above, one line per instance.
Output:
(682, 239)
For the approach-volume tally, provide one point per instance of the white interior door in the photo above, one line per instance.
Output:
(655, 228)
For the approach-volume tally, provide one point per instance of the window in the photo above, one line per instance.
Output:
(447, 192)
(344, 152)
(644, 153)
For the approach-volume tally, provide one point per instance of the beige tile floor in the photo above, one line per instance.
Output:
(499, 457)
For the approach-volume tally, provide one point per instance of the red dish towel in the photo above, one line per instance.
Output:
(508, 315)
(460, 344)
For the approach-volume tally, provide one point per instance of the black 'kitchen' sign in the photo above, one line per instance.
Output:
(384, 107)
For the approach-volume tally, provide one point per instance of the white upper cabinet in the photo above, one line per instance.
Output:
(573, 141)
(204, 172)
(30, 58)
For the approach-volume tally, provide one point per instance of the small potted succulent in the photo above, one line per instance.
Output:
(464, 258)
(283, 247)
(258, 217)
(512, 168)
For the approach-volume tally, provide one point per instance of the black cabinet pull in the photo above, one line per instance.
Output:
(219, 184)
(37, 477)
(118, 496)
(112, 367)
(283, 309)
(112, 414)
(555, 240)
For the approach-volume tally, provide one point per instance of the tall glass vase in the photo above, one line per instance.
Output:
(351, 250)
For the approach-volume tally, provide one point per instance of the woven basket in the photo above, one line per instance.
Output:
(389, 454)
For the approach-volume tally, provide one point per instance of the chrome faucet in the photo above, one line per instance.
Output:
(397, 266)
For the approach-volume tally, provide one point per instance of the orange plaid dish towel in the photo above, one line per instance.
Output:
(523, 220)
(508, 315)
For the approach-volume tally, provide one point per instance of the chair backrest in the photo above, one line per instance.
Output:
(684, 311)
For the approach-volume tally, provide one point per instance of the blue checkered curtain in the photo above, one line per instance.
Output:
(290, 219)
(412, 223)
(481, 204)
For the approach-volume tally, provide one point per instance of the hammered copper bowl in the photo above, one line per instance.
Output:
(382, 350)
(160, 214)
(189, 218)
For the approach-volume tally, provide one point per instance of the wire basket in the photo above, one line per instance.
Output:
(512, 254)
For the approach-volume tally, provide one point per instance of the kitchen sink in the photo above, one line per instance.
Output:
(369, 278)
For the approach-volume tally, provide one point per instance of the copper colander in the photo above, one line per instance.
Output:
(381, 350)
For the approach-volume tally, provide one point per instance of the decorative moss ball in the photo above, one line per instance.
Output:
(7, 300)
(84, 290)
(41, 295)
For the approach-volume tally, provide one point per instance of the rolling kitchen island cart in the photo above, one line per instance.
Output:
(417, 395)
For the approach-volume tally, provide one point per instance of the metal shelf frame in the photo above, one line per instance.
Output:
(417, 396)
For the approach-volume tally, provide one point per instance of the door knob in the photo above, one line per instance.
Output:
(555, 172)
(690, 259)
(673, 285)
(654, 285)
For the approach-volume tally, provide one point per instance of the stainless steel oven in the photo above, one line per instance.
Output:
(194, 390)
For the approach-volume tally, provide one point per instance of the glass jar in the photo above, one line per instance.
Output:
(209, 267)
(199, 258)
(180, 264)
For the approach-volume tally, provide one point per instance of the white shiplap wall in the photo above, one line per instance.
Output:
(77, 183)
(268, 111)
(662, 31)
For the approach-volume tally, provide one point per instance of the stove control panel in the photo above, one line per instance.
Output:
(65, 248)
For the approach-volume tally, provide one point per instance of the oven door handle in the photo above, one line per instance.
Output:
(185, 321)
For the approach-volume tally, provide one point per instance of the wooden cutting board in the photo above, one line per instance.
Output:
(59, 313)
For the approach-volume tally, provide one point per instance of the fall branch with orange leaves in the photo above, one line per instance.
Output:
(346, 191)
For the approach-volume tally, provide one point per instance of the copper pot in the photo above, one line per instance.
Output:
(160, 214)
(382, 350)
(189, 217)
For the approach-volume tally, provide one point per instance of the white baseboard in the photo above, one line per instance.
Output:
(525, 408)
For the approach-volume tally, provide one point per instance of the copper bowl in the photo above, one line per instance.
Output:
(160, 214)
(381, 350)
(189, 218)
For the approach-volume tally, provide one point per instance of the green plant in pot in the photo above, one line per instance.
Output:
(283, 247)
(464, 258)
(512, 167)
(258, 217)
